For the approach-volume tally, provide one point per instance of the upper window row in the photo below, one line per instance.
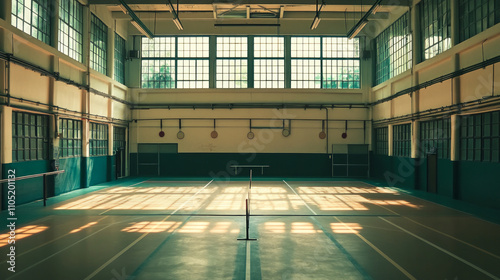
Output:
(250, 62)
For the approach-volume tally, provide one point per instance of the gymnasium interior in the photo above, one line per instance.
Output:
(216, 139)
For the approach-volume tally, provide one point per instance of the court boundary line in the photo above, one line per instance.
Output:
(48, 242)
(391, 261)
(436, 230)
(339, 246)
(305, 203)
(257, 215)
(66, 248)
(444, 234)
(442, 250)
(401, 190)
(116, 256)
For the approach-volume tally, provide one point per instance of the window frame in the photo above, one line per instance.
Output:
(401, 139)
(119, 59)
(65, 149)
(382, 140)
(25, 147)
(98, 139)
(98, 45)
(71, 16)
(43, 30)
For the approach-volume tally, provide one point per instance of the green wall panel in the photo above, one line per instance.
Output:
(218, 164)
(26, 190)
(70, 179)
(399, 172)
(445, 178)
(96, 171)
(480, 183)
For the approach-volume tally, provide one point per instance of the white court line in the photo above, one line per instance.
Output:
(127, 187)
(395, 264)
(88, 236)
(141, 237)
(442, 233)
(305, 203)
(444, 250)
(401, 269)
(248, 273)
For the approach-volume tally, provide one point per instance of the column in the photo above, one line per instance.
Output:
(54, 19)
(390, 139)
(6, 10)
(455, 23)
(415, 139)
(86, 35)
(6, 135)
(455, 138)
(212, 62)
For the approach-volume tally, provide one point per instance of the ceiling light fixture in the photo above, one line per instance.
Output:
(175, 14)
(139, 27)
(363, 21)
(136, 21)
(317, 19)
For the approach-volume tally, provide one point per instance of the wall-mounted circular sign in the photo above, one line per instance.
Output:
(344, 135)
(285, 132)
(180, 135)
(322, 135)
(162, 133)
(214, 134)
(250, 135)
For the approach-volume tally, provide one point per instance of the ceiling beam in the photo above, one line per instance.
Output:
(248, 2)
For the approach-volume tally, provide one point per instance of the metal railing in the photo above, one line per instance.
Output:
(44, 175)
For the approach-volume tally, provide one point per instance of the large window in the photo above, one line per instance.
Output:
(70, 143)
(192, 62)
(273, 62)
(402, 140)
(119, 138)
(71, 29)
(158, 63)
(306, 62)
(382, 141)
(232, 62)
(269, 63)
(435, 27)
(33, 18)
(98, 45)
(175, 62)
(477, 16)
(119, 59)
(98, 139)
(30, 139)
(394, 50)
(480, 137)
(435, 137)
(325, 62)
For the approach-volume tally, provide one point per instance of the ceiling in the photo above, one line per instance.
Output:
(289, 12)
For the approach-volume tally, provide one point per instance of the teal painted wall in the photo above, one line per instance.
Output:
(479, 183)
(399, 172)
(217, 164)
(96, 170)
(445, 177)
(70, 179)
(474, 182)
(26, 190)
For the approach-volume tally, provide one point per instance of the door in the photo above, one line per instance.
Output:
(120, 163)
